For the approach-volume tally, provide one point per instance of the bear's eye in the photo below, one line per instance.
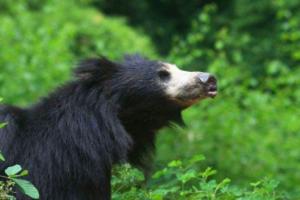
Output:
(164, 74)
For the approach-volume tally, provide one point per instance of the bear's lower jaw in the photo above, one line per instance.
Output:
(185, 103)
(189, 103)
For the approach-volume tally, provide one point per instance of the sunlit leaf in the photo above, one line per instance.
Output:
(2, 125)
(1, 157)
(13, 170)
(175, 163)
(23, 173)
(27, 188)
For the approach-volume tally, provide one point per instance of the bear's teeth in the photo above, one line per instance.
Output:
(212, 93)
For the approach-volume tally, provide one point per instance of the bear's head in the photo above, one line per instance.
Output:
(150, 88)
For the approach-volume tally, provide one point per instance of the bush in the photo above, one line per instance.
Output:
(250, 130)
(162, 20)
(40, 45)
(185, 181)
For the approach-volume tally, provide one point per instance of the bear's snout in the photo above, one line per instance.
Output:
(209, 82)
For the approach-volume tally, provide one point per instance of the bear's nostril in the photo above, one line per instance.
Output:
(212, 88)
(207, 78)
(211, 80)
(211, 85)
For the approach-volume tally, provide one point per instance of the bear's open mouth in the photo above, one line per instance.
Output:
(211, 90)
(212, 93)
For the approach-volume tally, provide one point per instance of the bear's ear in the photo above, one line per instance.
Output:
(95, 69)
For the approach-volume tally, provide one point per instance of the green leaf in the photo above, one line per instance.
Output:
(270, 185)
(27, 188)
(2, 125)
(23, 173)
(255, 184)
(187, 176)
(208, 172)
(225, 182)
(1, 157)
(13, 170)
(160, 173)
(209, 186)
(197, 158)
(175, 163)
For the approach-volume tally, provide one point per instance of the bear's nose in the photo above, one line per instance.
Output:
(207, 78)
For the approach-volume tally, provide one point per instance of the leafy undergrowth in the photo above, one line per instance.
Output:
(13, 178)
(185, 181)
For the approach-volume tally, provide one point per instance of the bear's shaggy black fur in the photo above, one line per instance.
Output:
(70, 139)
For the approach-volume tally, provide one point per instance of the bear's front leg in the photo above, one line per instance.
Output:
(99, 191)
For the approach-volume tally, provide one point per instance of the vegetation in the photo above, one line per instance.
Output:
(249, 132)
(41, 42)
(183, 180)
(13, 179)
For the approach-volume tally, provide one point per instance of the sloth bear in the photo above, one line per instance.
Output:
(107, 115)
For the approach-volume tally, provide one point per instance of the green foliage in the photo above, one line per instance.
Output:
(1, 157)
(26, 187)
(39, 46)
(185, 181)
(162, 20)
(2, 125)
(251, 129)
(12, 179)
(6, 189)
(13, 170)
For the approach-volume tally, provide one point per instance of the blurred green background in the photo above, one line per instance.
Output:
(250, 131)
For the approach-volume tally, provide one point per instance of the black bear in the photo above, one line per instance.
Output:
(108, 114)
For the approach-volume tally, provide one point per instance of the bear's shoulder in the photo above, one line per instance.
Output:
(9, 114)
